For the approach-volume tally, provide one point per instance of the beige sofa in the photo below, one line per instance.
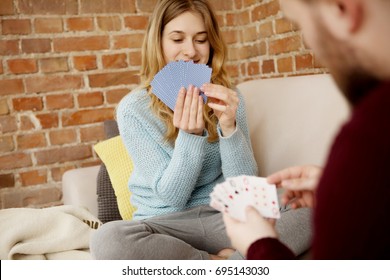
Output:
(292, 121)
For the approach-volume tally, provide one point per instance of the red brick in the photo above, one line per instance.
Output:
(30, 141)
(58, 172)
(9, 47)
(6, 144)
(52, 7)
(92, 162)
(238, 19)
(268, 66)
(34, 177)
(4, 109)
(84, 43)
(22, 66)
(136, 22)
(81, 24)
(253, 68)
(14, 161)
(13, 86)
(113, 79)
(265, 10)
(222, 5)
(285, 45)
(59, 101)
(1, 67)
(48, 25)
(90, 99)
(27, 104)
(83, 63)
(250, 34)
(233, 70)
(16, 26)
(32, 197)
(53, 83)
(64, 154)
(8, 124)
(36, 45)
(114, 96)
(61, 137)
(285, 65)
(112, 23)
(303, 62)
(248, 3)
(220, 20)
(283, 25)
(230, 36)
(238, 4)
(87, 116)
(135, 58)
(48, 120)
(251, 51)
(107, 6)
(7, 180)
(7, 7)
(92, 134)
(146, 5)
(266, 30)
(53, 65)
(233, 54)
(131, 41)
(115, 61)
(26, 123)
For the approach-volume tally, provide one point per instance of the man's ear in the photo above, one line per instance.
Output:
(342, 17)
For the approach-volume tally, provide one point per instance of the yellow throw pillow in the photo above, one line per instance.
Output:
(119, 166)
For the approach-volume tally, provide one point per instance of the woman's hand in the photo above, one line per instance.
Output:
(300, 184)
(243, 234)
(224, 102)
(188, 113)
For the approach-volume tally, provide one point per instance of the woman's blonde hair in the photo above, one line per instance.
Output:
(153, 58)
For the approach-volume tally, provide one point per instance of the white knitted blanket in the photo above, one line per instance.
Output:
(60, 232)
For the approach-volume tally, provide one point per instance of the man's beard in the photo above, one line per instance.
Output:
(342, 62)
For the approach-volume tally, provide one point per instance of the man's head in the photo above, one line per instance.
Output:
(350, 37)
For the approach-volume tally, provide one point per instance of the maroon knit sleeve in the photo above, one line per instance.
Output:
(269, 249)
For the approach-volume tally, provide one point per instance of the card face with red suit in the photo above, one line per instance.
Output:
(236, 193)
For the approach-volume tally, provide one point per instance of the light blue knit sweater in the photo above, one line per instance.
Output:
(169, 178)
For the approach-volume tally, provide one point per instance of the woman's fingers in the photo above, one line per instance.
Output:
(188, 114)
(178, 112)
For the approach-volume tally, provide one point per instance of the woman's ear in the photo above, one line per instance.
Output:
(342, 17)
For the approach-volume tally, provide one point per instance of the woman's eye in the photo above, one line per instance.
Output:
(177, 40)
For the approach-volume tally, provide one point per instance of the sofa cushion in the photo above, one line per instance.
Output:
(106, 200)
(119, 166)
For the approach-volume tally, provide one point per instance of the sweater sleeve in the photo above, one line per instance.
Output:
(236, 149)
(269, 249)
(172, 173)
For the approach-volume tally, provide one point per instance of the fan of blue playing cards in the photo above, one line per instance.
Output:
(236, 193)
(175, 75)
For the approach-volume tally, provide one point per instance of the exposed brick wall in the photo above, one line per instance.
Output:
(65, 64)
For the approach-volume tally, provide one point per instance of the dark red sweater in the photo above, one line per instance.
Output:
(351, 218)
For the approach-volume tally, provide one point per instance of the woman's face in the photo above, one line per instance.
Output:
(185, 38)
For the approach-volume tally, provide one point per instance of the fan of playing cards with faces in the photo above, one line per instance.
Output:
(236, 193)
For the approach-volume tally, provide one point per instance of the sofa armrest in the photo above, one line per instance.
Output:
(79, 188)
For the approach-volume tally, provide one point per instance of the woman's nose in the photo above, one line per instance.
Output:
(189, 50)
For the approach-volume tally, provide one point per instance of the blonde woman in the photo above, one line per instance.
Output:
(179, 156)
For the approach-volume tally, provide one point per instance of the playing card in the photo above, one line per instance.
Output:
(236, 193)
(167, 83)
(265, 198)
